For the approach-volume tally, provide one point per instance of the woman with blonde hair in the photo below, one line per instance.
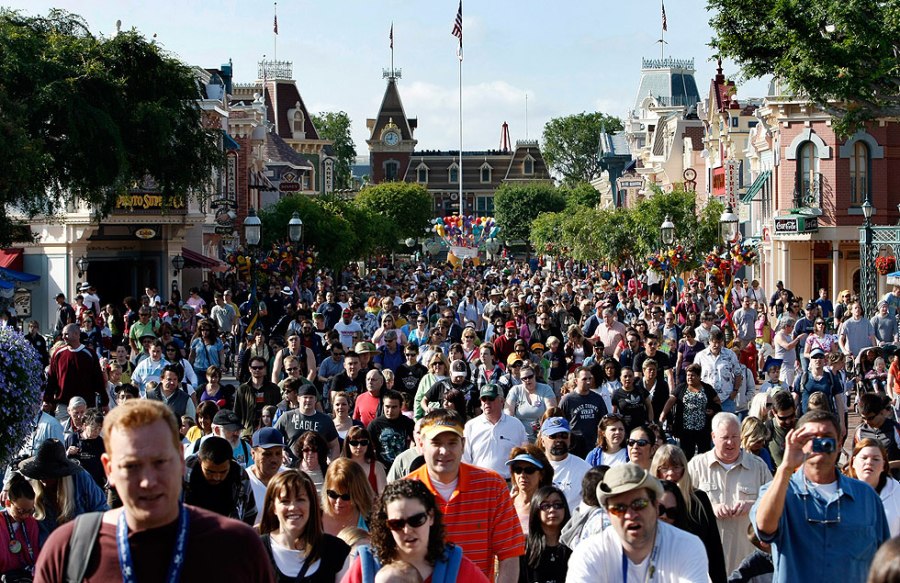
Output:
(754, 438)
(293, 534)
(761, 406)
(346, 496)
(670, 463)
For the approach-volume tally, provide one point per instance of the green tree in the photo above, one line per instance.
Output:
(842, 54)
(571, 144)
(517, 205)
(84, 118)
(581, 194)
(335, 126)
(406, 208)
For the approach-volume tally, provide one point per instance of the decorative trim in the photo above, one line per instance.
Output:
(876, 152)
(823, 152)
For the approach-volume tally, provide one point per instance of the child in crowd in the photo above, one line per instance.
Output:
(878, 375)
(772, 384)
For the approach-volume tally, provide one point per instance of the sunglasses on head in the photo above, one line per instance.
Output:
(334, 495)
(414, 521)
(527, 470)
(358, 442)
(621, 509)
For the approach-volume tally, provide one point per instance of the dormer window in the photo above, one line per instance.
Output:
(486, 173)
(422, 173)
(453, 174)
(528, 165)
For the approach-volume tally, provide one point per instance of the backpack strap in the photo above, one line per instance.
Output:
(447, 571)
(368, 564)
(81, 545)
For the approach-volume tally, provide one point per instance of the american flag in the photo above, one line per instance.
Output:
(457, 25)
(275, 26)
(392, 35)
(665, 24)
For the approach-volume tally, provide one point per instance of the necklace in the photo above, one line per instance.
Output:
(15, 546)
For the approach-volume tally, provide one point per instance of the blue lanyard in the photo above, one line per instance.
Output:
(125, 562)
(651, 569)
(13, 539)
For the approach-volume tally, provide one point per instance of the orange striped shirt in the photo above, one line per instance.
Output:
(479, 517)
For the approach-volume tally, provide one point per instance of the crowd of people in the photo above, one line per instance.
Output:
(505, 421)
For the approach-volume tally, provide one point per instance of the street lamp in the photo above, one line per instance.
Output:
(868, 281)
(667, 232)
(252, 228)
(252, 235)
(177, 263)
(728, 227)
(295, 228)
(82, 264)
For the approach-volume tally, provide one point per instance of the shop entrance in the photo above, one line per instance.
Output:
(117, 278)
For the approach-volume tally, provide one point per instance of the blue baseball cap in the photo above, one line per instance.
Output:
(524, 457)
(555, 425)
(267, 437)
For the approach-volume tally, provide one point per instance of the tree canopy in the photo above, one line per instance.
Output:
(405, 207)
(517, 205)
(843, 54)
(335, 126)
(85, 118)
(571, 144)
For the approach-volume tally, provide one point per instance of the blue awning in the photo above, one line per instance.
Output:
(756, 186)
(11, 275)
(230, 144)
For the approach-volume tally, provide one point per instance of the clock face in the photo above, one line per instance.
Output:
(391, 138)
(690, 174)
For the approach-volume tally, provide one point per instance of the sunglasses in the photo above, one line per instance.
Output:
(527, 378)
(358, 442)
(527, 470)
(667, 511)
(638, 442)
(488, 399)
(334, 495)
(257, 368)
(621, 509)
(309, 450)
(787, 417)
(414, 521)
(548, 506)
(292, 369)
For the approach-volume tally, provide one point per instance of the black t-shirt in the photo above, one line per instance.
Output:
(663, 362)
(343, 382)
(658, 397)
(293, 424)
(408, 378)
(89, 456)
(630, 404)
(391, 437)
(584, 413)
(552, 566)
(217, 498)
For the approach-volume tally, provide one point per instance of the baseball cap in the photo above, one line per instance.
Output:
(364, 347)
(554, 425)
(537, 346)
(490, 391)
(347, 311)
(267, 437)
(441, 426)
(524, 457)
(816, 352)
(227, 418)
(458, 368)
(512, 359)
(511, 324)
(307, 389)
(624, 478)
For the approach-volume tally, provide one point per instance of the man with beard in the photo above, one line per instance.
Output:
(267, 451)
(568, 469)
(391, 431)
(216, 482)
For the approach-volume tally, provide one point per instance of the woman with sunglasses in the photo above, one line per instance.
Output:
(671, 506)
(528, 400)
(311, 452)
(529, 469)
(641, 446)
(346, 496)
(819, 338)
(388, 323)
(610, 450)
(418, 336)
(358, 447)
(407, 526)
(293, 534)
(173, 355)
(670, 463)
(546, 559)
(438, 370)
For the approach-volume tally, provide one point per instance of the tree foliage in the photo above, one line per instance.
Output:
(335, 126)
(581, 194)
(85, 118)
(571, 144)
(517, 205)
(405, 207)
(843, 54)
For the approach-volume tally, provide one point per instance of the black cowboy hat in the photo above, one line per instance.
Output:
(49, 463)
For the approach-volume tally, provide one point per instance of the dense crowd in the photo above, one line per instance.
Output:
(505, 421)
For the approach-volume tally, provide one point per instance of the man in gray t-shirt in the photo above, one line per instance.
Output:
(885, 324)
(856, 333)
(744, 319)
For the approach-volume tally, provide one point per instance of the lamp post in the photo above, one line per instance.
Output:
(295, 228)
(728, 227)
(252, 235)
(730, 234)
(667, 232)
(868, 277)
(82, 264)
(177, 265)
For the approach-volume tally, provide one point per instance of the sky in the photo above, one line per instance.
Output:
(567, 56)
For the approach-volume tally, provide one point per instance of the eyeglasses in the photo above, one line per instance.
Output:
(334, 495)
(488, 399)
(638, 442)
(671, 512)
(527, 470)
(291, 369)
(825, 520)
(667, 469)
(257, 368)
(548, 506)
(527, 377)
(820, 323)
(337, 354)
(358, 442)
(636, 505)
(561, 435)
(516, 365)
(309, 450)
(414, 521)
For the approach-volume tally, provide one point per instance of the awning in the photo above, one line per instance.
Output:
(12, 258)
(9, 278)
(230, 144)
(756, 186)
(200, 261)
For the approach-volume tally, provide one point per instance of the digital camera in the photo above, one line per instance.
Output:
(824, 445)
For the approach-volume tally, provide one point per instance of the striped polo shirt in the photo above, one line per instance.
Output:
(479, 517)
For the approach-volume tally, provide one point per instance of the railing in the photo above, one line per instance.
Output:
(809, 192)
(668, 63)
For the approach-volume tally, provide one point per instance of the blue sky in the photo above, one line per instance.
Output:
(569, 56)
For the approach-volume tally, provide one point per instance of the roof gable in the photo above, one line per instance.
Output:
(282, 96)
(391, 111)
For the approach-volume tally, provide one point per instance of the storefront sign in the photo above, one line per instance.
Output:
(329, 175)
(145, 233)
(22, 302)
(289, 183)
(732, 181)
(147, 202)
(231, 178)
(718, 181)
(796, 224)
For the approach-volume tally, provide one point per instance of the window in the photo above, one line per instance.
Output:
(391, 170)
(454, 174)
(484, 206)
(422, 174)
(807, 175)
(752, 123)
(859, 173)
(485, 173)
(734, 122)
(528, 166)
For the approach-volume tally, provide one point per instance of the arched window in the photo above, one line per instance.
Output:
(807, 175)
(859, 173)
(453, 177)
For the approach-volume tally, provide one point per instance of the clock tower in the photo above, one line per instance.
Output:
(391, 142)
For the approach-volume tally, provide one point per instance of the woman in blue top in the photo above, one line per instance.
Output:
(207, 350)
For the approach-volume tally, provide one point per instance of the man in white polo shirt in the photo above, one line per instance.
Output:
(492, 435)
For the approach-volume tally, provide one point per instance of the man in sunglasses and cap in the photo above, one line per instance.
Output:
(638, 547)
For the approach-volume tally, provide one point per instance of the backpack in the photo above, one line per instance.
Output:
(81, 545)
(445, 570)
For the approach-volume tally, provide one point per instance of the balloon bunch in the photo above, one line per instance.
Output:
(743, 254)
(282, 259)
(466, 230)
(667, 261)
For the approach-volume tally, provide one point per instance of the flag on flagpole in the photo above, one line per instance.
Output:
(457, 29)
(275, 25)
(665, 24)
(392, 35)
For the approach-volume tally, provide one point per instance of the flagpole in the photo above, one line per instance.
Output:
(461, 205)
(662, 33)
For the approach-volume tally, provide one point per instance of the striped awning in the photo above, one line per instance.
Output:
(756, 186)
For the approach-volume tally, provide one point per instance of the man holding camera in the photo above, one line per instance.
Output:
(823, 526)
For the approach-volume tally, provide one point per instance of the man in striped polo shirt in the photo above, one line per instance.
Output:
(478, 511)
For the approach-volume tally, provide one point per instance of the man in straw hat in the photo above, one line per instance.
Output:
(147, 539)
(639, 547)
